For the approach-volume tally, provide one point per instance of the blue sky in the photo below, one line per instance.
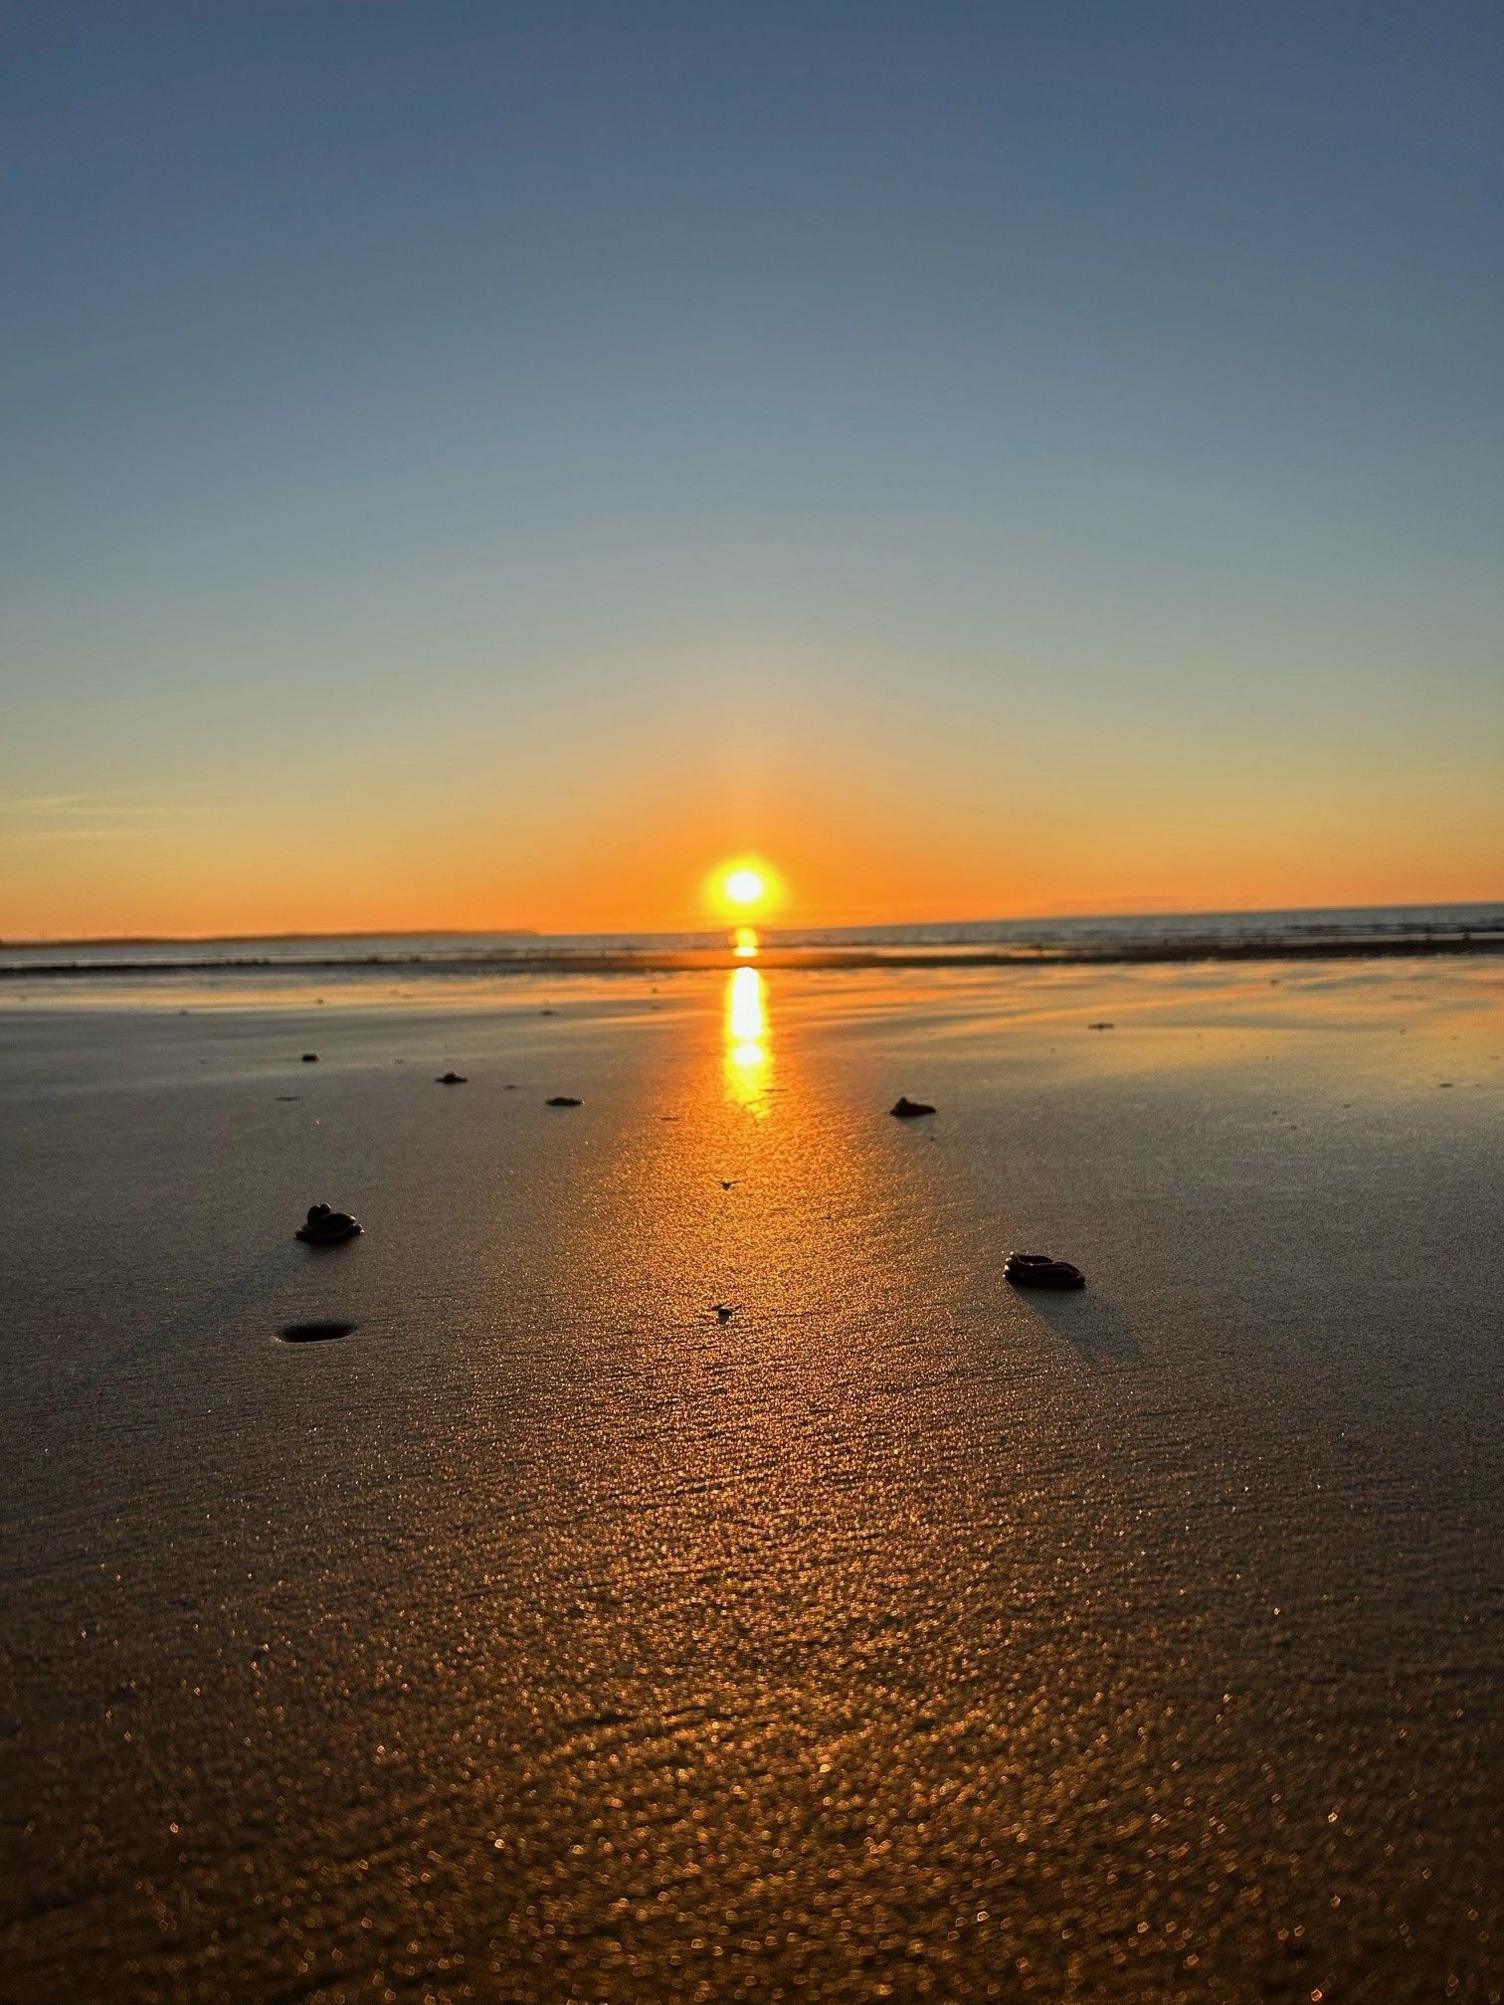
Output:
(472, 425)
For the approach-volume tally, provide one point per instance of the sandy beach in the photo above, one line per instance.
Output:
(552, 1636)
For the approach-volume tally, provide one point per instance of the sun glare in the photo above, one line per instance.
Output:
(744, 888)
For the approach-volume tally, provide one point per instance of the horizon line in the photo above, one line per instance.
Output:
(157, 939)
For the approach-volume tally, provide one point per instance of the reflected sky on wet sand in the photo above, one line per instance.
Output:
(555, 1634)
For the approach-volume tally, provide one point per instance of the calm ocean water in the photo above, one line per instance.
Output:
(1173, 936)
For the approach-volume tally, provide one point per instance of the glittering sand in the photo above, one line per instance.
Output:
(552, 1636)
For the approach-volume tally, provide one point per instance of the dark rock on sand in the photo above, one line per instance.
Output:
(310, 1058)
(451, 1079)
(907, 1109)
(324, 1226)
(724, 1311)
(1039, 1270)
(563, 1100)
(315, 1333)
(1101, 1026)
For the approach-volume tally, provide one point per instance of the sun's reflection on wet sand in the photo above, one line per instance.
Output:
(747, 1064)
(807, 1618)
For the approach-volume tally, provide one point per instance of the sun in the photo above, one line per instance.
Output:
(743, 888)
(746, 887)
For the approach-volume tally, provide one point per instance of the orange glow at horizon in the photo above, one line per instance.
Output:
(238, 867)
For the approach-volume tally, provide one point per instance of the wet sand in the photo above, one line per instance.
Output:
(550, 1636)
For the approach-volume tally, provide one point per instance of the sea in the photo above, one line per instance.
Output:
(1178, 936)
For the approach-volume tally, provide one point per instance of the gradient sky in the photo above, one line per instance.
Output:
(476, 464)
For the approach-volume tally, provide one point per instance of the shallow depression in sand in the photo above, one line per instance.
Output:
(316, 1333)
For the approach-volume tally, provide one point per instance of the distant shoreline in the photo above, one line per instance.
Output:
(819, 959)
(1491, 916)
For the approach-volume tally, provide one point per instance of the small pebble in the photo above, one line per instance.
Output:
(1039, 1270)
(907, 1109)
(451, 1079)
(563, 1100)
(324, 1226)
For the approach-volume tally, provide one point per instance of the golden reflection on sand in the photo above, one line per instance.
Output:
(747, 1064)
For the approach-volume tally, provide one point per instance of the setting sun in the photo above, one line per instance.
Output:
(743, 888)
